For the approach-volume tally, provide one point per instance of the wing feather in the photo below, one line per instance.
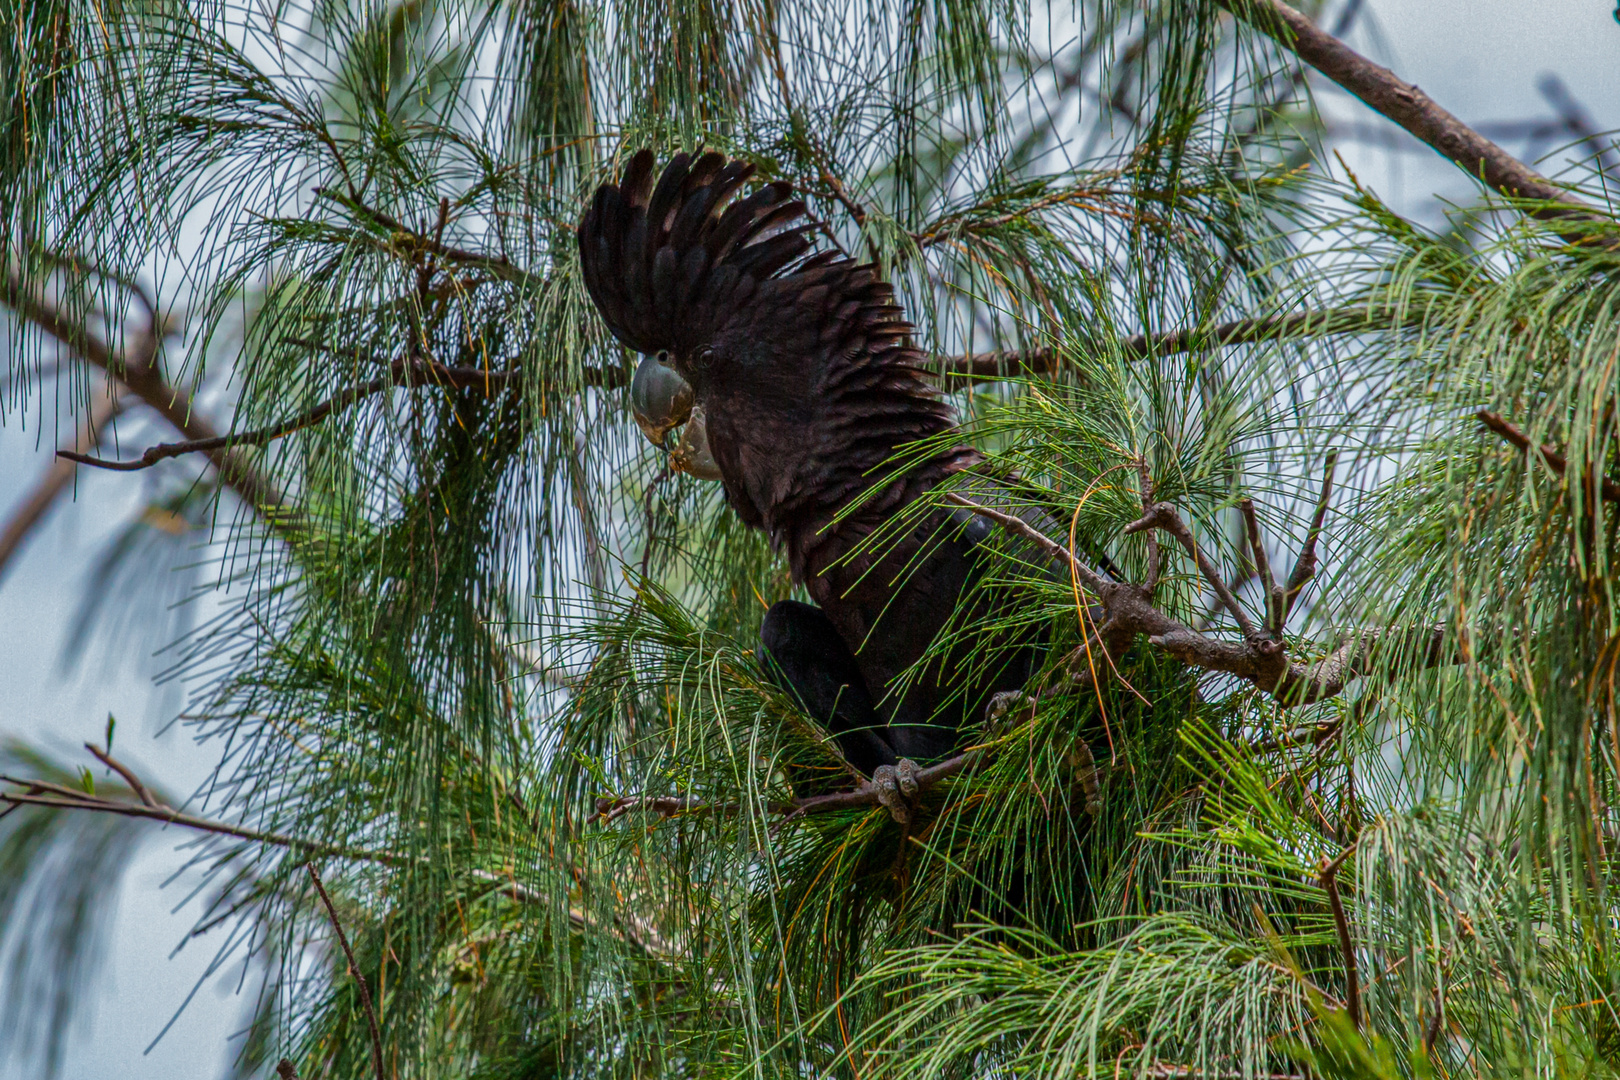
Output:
(658, 257)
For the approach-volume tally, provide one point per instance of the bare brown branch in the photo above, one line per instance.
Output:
(139, 371)
(1128, 611)
(354, 970)
(1155, 557)
(123, 770)
(1391, 96)
(42, 793)
(1019, 527)
(1553, 459)
(1009, 364)
(1305, 565)
(1262, 570)
(422, 245)
(866, 794)
(1328, 874)
(403, 373)
(1164, 516)
(57, 478)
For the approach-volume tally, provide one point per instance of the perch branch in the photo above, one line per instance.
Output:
(1127, 610)
(608, 810)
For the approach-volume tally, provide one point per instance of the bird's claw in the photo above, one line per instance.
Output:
(1007, 710)
(897, 788)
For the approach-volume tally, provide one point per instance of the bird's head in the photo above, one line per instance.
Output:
(661, 400)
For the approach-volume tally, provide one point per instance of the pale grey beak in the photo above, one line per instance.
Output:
(661, 401)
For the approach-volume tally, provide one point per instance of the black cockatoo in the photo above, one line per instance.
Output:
(801, 383)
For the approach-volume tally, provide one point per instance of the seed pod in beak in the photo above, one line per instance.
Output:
(659, 398)
(691, 454)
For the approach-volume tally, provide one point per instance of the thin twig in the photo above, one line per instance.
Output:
(647, 500)
(1305, 566)
(1315, 735)
(1555, 460)
(610, 810)
(354, 969)
(43, 793)
(123, 770)
(498, 265)
(1155, 557)
(1164, 516)
(1006, 364)
(1436, 1018)
(1328, 874)
(1262, 570)
(1017, 525)
(856, 211)
(430, 375)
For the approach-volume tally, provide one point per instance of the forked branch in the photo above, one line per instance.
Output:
(1259, 658)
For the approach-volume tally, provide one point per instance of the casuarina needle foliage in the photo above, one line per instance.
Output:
(1309, 507)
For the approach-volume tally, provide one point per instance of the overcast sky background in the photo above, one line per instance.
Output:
(1480, 58)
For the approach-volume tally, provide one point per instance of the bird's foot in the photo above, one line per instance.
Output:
(897, 788)
(1007, 710)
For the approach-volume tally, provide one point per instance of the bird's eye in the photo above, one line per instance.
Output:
(659, 398)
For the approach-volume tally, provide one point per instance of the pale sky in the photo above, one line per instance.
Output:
(1480, 58)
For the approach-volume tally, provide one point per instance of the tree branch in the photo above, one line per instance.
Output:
(497, 265)
(1128, 610)
(968, 367)
(608, 810)
(1555, 461)
(140, 372)
(58, 477)
(1164, 516)
(426, 375)
(1262, 570)
(1305, 566)
(1387, 94)
(1328, 874)
(354, 969)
